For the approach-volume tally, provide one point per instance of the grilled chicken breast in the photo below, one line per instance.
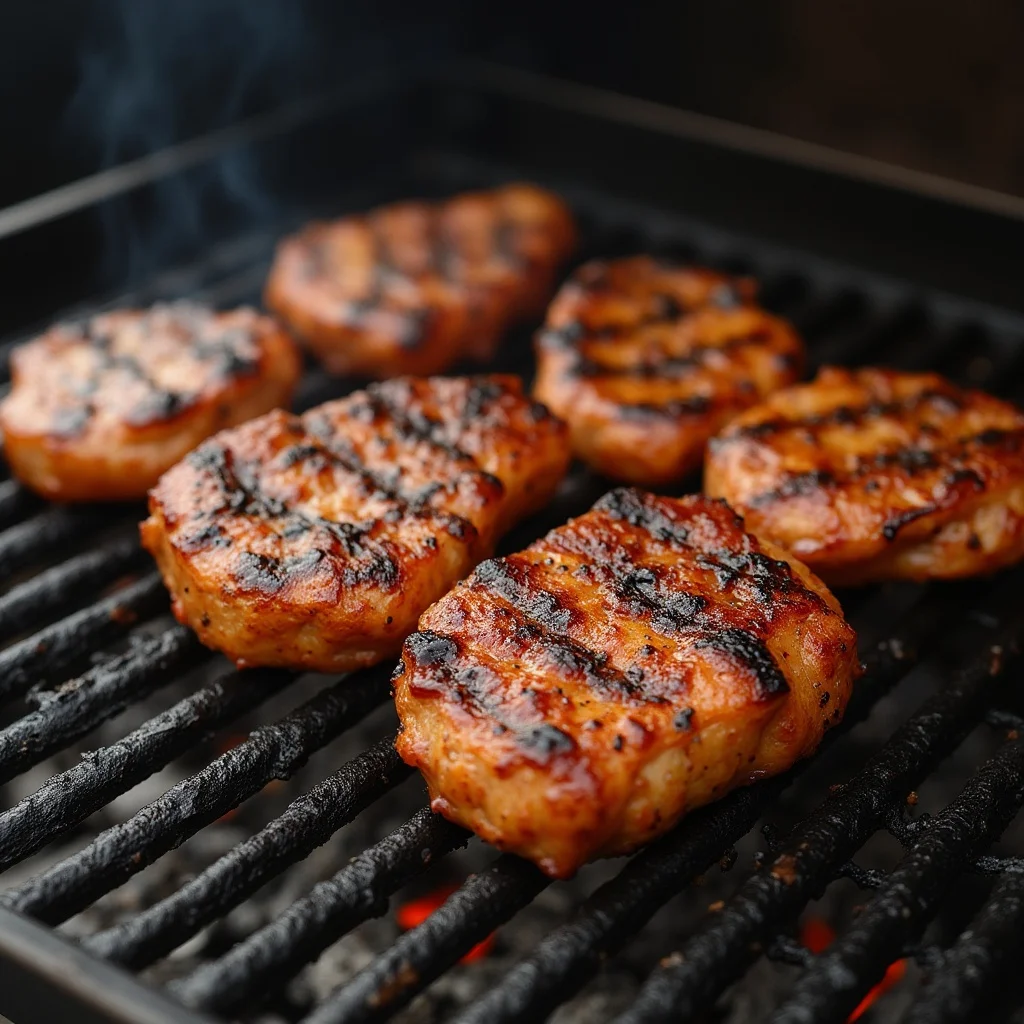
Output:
(315, 542)
(413, 287)
(874, 474)
(98, 410)
(646, 360)
(576, 699)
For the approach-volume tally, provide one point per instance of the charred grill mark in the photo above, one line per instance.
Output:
(643, 593)
(961, 476)
(209, 536)
(544, 621)
(894, 524)
(770, 577)
(71, 420)
(409, 424)
(627, 504)
(796, 485)
(242, 496)
(158, 405)
(268, 575)
(849, 416)
(751, 653)
(696, 405)
(545, 741)
(675, 367)
(428, 649)
(339, 452)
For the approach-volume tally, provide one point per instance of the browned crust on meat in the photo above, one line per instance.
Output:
(98, 410)
(576, 699)
(315, 541)
(413, 287)
(875, 474)
(646, 360)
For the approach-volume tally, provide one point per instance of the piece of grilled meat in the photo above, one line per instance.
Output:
(875, 474)
(575, 699)
(314, 542)
(646, 360)
(413, 287)
(98, 410)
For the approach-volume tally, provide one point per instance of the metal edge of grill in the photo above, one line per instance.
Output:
(483, 127)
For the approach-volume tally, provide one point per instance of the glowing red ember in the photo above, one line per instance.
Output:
(412, 914)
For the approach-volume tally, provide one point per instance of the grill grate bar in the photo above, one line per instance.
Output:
(842, 975)
(79, 705)
(48, 533)
(16, 502)
(270, 752)
(44, 656)
(66, 799)
(973, 973)
(358, 891)
(468, 916)
(55, 591)
(308, 822)
(722, 948)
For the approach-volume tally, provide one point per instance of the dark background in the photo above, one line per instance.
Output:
(934, 86)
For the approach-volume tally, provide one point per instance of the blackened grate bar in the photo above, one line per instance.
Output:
(67, 799)
(332, 908)
(45, 656)
(467, 917)
(79, 705)
(308, 822)
(841, 976)
(56, 591)
(270, 752)
(963, 985)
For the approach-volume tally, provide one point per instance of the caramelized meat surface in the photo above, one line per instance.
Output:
(874, 474)
(315, 542)
(646, 360)
(98, 410)
(576, 699)
(413, 287)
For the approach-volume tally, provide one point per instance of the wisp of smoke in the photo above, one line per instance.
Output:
(154, 73)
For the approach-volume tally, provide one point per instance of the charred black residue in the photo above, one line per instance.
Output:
(643, 593)
(677, 408)
(628, 504)
(894, 524)
(209, 536)
(751, 653)
(683, 719)
(428, 649)
(768, 576)
(544, 742)
(71, 420)
(481, 394)
(796, 485)
(966, 476)
(158, 405)
(259, 572)
(515, 586)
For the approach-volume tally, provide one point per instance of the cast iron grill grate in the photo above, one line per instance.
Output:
(88, 641)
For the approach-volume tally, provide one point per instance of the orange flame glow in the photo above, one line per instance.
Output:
(816, 935)
(412, 914)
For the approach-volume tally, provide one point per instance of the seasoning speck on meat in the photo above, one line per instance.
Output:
(98, 410)
(645, 360)
(413, 287)
(315, 541)
(875, 474)
(576, 699)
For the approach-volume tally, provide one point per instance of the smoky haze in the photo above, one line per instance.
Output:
(153, 73)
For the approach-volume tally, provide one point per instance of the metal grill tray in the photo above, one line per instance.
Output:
(55, 692)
